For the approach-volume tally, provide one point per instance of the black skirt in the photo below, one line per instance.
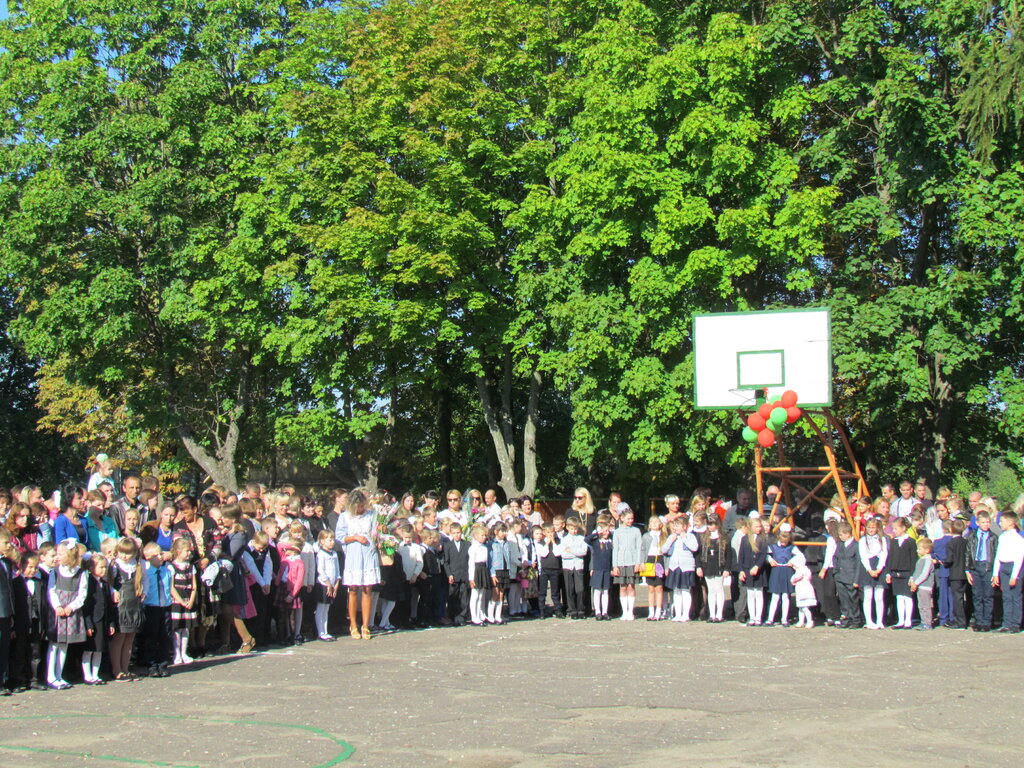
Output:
(503, 580)
(900, 584)
(482, 576)
(601, 580)
(679, 579)
(655, 581)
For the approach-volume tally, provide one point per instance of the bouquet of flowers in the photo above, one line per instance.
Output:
(387, 542)
(472, 517)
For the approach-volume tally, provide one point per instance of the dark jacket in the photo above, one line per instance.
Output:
(456, 559)
(972, 549)
(956, 559)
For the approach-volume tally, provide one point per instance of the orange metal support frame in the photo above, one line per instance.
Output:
(787, 477)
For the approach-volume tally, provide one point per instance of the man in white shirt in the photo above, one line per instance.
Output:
(904, 505)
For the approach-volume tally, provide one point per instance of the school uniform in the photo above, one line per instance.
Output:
(478, 570)
(455, 556)
(155, 639)
(956, 561)
(924, 579)
(1008, 562)
(573, 550)
(40, 602)
(626, 554)
(874, 555)
(550, 573)
(821, 559)
(901, 562)
(260, 625)
(502, 562)
(412, 564)
(780, 576)
(945, 595)
(600, 562)
(847, 565)
(6, 616)
(981, 552)
(436, 592)
(681, 560)
(749, 559)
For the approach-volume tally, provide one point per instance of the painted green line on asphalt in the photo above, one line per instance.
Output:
(346, 750)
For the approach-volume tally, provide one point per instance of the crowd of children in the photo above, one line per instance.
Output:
(147, 584)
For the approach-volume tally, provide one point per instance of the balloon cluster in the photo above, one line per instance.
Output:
(763, 425)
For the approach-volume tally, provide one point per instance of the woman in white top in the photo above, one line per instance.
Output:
(356, 532)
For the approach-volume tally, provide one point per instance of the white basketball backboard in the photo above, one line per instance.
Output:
(737, 353)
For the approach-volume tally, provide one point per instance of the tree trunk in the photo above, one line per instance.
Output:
(498, 420)
(444, 425)
(221, 467)
(935, 419)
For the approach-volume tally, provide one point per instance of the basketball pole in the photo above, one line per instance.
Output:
(792, 477)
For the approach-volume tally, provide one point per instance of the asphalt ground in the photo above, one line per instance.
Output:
(553, 693)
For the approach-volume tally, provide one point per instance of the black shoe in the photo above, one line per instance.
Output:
(1004, 630)
(35, 685)
(5, 691)
(154, 672)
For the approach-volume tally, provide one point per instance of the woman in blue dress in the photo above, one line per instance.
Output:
(356, 532)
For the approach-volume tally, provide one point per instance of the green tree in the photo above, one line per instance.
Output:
(419, 129)
(680, 192)
(134, 139)
(925, 310)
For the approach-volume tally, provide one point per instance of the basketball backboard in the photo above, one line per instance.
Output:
(737, 353)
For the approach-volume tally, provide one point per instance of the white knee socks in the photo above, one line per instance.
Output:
(477, 603)
(682, 600)
(91, 666)
(56, 657)
(515, 598)
(386, 607)
(904, 611)
(772, 607)
(716, 598)
(320, 618)
(755, 605)
(600, 599)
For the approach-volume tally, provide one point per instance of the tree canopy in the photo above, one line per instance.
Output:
(423, 242)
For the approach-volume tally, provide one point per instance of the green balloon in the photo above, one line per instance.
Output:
(779, 415)
(749, 435)
(771, 425)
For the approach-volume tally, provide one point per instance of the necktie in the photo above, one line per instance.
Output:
(981, 546)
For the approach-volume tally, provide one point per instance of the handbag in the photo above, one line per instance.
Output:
(648, 571)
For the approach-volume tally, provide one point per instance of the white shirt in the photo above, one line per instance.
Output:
(1010, 549)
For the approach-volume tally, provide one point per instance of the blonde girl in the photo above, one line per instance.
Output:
(479, 575)
(751, 565)
(126, 580)
(68, 589)
(184, 593)
(650, 550)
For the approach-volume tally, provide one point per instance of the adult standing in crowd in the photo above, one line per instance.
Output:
(743, 506)
(71, 523)
(130, 489)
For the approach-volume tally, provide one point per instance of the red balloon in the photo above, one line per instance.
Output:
(766, 438)
(789, 399)
(792, 414)
(765, 410)
(756, 422)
